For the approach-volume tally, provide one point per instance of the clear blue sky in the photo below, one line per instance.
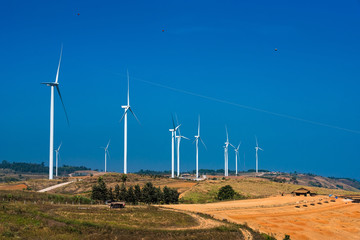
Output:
(224, 50)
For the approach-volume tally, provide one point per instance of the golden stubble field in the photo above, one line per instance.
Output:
(279, 216)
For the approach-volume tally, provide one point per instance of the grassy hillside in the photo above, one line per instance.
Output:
(44, 220)
(206, 191)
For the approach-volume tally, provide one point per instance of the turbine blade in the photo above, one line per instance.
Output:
(185, 137)
(232, 145)
(108, 153)
(177, 127)
(227, 135)
(123, 115)
(58, 69)
(177, 123)
(59, 146)
(58, 90)
(134, 115)
(203, 143)
(199, 127)
(108, 144)
(172, 118)
(128, 92)
(238, 146)
(256, 141)
(261, 149)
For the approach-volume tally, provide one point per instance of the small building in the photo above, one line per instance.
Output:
(117, 205)
(303, 192)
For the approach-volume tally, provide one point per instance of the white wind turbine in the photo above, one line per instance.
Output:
(226, 153)
(257, 148)
(126, 109)
(52, 85)
(57, 155)
(236, 158)
(178, 139)
(197, 149)
(173, 136)
(106, 153)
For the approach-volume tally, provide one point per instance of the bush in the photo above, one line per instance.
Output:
(226, 192)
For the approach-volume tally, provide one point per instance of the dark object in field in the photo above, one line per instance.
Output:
(312, 204)
(117, 205)
(297, 206)
(319, 203)
(305, 205)
(332, 200)
(326, 201)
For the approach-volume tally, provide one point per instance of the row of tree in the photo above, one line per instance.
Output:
(134, 195)
(22, 167)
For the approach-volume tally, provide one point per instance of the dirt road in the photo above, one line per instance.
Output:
(55, 186)
(300, 217)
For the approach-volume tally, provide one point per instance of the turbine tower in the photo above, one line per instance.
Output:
(57, 155)
(126, 109)
(52, 85)
(173, 136)
(197, 149)
(178, 139)
(236, 158)
(226, 153)
(257, 148)
(106, 153)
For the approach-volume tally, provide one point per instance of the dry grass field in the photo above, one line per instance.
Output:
(300, 217)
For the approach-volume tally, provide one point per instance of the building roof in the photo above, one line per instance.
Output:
(302, 190)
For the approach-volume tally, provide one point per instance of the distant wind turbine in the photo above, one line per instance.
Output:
(52, 85)
(106, 153)
(257, 148)
(126, 109)
(173, 137)
(178, 139)
(197, 137)
(236, 158)
(226, 153)
(57, 155)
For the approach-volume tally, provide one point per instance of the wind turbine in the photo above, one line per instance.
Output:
(173, 136)
(178, 139)
(57, 155)
(197, 149)
(126, 109)
(106, 153)
(236, 158)
(226, 153)
(52, 85)
(257, 148)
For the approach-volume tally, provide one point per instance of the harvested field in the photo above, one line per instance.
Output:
(279, 216)
(13, 186)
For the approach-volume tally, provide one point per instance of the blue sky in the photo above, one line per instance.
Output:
(220, 50)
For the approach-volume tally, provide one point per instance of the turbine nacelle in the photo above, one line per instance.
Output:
(50, 84)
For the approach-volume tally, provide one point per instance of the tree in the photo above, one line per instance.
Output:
(130, 197)
(123, 193)
(124, 178)
(111, 194)
(167, 195)
(158, 196)
(99, 190)
(117, 192)
(138, 194)
(226, 192)
(148, 193)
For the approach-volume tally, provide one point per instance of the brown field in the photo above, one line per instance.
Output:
(279, 216)
(13, 186)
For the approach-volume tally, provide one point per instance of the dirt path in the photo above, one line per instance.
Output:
(55, 186)
(247, 234)
(204, 223)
